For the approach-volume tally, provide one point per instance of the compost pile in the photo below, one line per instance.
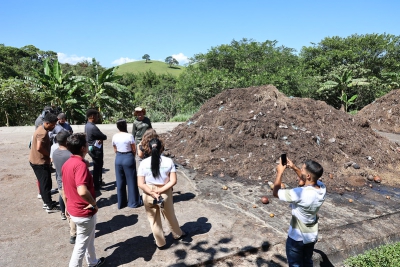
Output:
(241, 133)
(384, 113)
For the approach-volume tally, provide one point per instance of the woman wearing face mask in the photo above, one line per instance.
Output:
(156, 177)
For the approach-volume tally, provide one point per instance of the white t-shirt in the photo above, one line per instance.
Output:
(305, 203)
(123, 141)
(166, 166)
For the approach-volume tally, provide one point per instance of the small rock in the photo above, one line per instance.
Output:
(348, 164)
(350, 200)
(369, 158)
(254, 206)
(271, 215)
(225, 187)
(347, 188)
(221, 174)
(355, 166)
(332, 140)
(264, 200)
(370, 178)
(370, 185)
(377, 179)
(250, 190)
(331, 175)
(387, 197)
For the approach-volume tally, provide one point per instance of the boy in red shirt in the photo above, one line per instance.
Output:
(80, 201)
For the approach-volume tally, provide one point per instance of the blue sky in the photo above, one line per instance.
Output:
(115, 32)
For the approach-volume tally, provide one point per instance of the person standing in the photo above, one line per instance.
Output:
(39, 119)
(60, 156)
(95, 140)
(156, 177)
(62, 121)
(80, 200)
(39, 159)
(125, 167)
(305, 201)
(140, 124)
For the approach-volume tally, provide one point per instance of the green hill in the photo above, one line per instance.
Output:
(156, 66)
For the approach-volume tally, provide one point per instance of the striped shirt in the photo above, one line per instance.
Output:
(305, 203)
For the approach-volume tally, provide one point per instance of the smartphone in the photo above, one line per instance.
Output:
(284, 159)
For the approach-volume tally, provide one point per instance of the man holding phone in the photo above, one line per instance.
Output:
(305, 202)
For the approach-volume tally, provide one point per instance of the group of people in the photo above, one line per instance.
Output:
(77, 186)
(155, 176)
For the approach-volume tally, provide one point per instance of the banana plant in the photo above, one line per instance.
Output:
(103, 89)
(342, 83)
(58, 89)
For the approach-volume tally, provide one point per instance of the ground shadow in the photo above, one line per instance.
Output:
(178, 196)
(109, 186)
(325, 261)
(116, 223)
(104, 202)
(132, 249)
(200, 226)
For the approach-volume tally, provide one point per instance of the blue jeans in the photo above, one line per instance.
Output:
(299, 254)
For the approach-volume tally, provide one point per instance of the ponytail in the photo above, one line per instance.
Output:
(155, 146)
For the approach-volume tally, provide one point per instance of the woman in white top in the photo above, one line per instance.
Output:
(156, 177)
(125, 167)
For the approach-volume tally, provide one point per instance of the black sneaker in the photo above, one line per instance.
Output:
(52, 209)
(52, 202)
(72, 239)
(100, 262)
(63, 217)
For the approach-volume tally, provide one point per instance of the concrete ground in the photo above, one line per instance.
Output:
(225, 227)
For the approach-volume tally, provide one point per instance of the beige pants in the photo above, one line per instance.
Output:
(72, 225)
(154, 216)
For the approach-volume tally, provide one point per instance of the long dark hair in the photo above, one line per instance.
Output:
(155, 146)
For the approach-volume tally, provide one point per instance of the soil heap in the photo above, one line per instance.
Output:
(242, 132)
(384, 113)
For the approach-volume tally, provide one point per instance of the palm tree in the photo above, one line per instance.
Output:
(342, 83)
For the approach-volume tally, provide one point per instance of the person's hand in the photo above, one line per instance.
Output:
(91, 207)
(67, 214)
(155, 195)
(280, 168)
(100, 142)
(290, 164)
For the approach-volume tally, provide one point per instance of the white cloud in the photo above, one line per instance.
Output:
(123, 60)
(182, 59)
(73, 59)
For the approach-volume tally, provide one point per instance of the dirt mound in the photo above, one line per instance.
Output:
(384, 113)
(241, 133)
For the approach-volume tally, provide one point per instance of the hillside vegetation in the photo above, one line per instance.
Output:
(155, 66)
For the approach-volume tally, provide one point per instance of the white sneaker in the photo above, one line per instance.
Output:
(39, 196)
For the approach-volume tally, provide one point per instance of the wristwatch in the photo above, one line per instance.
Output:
(93, 206)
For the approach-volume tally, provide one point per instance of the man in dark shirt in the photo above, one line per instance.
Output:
(140, 125)
(62, 121)
(95, 140)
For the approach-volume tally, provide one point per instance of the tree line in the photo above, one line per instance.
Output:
(347, 73)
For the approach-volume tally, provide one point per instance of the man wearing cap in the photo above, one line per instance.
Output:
(62, 121)
(140, 125)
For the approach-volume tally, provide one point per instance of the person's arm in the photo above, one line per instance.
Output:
(115, 148)
(149, 124)
(98, 135)
(84, 193)
(171, 183)
(139, 151)
(142, 185)
(278, 180)
(133, 146)
(41, 148)
(134, 130)
(291, 165)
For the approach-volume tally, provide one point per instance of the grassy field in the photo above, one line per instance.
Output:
(156, 66)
